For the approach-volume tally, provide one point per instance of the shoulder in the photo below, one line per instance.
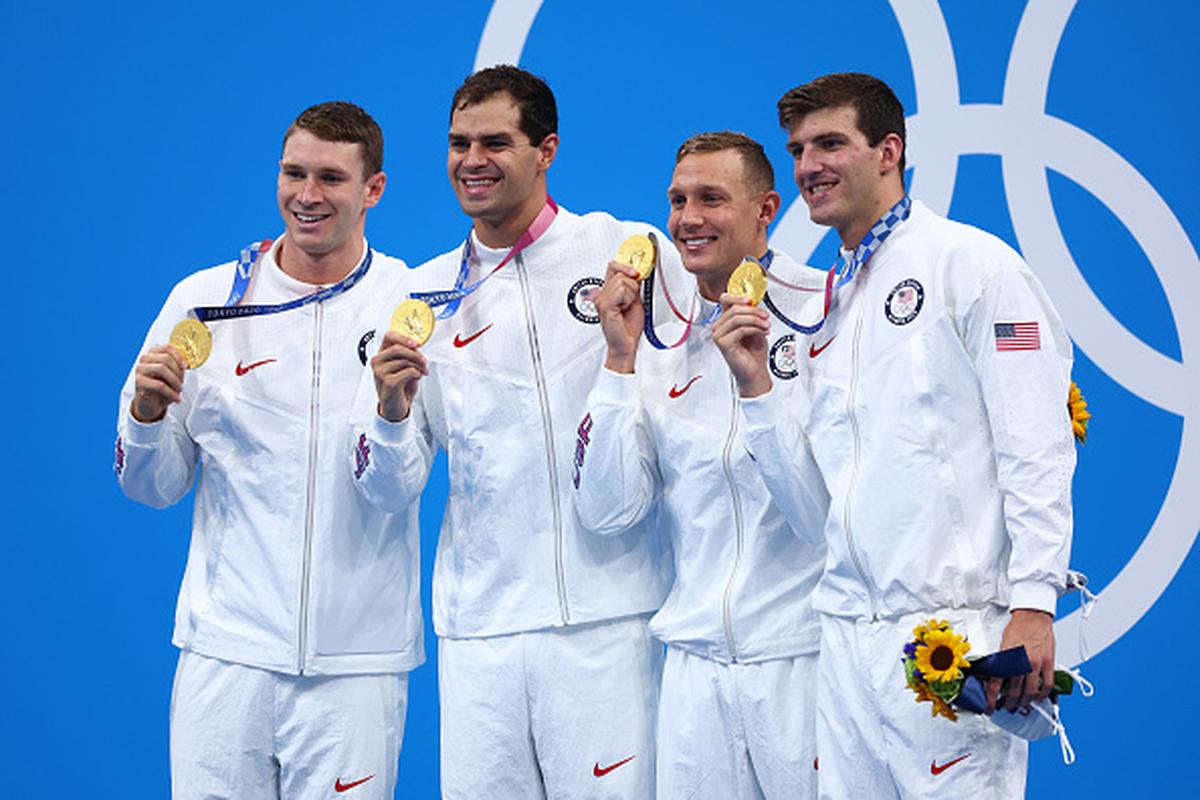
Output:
(962, 242)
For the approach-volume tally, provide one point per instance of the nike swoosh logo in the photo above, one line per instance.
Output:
(340, 787)
(240, 370)
(813, 352)
(459, 341)
(600, 772)
(934, 769)
(676, 391)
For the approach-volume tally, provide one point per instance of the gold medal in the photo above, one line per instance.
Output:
(638, 252)
(748, 280)
(194, 340)
(414, 319)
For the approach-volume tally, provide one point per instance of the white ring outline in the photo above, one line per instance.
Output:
(991, 129)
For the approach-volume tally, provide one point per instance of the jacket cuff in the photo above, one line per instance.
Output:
(759, 412)
(1035, 595)
(388, 432)
(615, 388)
(142, 433)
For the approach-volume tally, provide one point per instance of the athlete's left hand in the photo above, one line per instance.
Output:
(1035, 630)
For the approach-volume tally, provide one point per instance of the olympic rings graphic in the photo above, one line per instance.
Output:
(1029, 141)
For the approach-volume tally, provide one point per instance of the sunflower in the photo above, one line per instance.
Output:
(941, 655)
(924, 628)
(1077, 406)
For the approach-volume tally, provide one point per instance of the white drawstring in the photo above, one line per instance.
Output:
(1085, 686)
(1068, 752)
(1076, 580)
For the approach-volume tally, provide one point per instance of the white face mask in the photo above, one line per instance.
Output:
(1041, 719)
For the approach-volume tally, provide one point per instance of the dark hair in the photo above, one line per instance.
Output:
(879, 112)
(535, 101)
(756, 167)
(339, 121)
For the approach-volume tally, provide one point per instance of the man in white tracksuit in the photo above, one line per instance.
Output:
(736, 716)
(935, 402)
(299, 615)
(548, 677)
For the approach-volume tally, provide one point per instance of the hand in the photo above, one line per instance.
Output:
(157, 382)
(619, 304)
(1035, 630)
(398, 367)
(741, 335)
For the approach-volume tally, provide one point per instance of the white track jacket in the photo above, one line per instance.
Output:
(508, 376)
(672, 434)
(938, 415)
(289, 569)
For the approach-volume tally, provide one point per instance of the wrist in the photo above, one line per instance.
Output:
(622, 363)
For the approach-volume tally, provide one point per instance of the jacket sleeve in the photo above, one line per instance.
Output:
(779, 447)
(155, 463)
(615, 475)
(1022, 355)
(390, 461)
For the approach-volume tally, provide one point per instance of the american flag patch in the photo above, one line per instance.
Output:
(1017, 336)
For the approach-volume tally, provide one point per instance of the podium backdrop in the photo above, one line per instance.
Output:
(141, 143)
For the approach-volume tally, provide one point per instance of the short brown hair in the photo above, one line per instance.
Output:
(339, 121)
(756, 167)
(879, 112)
(535, 102)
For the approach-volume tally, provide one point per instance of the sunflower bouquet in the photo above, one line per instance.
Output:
(938, 671)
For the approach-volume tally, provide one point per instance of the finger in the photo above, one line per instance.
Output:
(148, 388)
(1014, 696)
(1046, 680)
(993, 693)
(617, 268)
(157, 370)
(398, 359)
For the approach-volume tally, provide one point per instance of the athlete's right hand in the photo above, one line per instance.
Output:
(619, 304)
(740, 334)
(157, 382)
(398, 367)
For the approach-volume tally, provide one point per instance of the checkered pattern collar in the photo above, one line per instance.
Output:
(875, 238)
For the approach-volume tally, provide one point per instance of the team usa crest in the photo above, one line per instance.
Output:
(581, 300)
(782, 357)
(366, 339)
(904, 302)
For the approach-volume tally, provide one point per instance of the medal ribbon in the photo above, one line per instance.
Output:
(648, 305)
(241, 280)
(834, 280)
(452, 298)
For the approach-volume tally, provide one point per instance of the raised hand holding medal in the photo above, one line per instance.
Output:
(618, 302)
(399, 365)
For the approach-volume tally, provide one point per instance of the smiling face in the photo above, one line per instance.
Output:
(846, 182)
(498, 175)
(323, 198)
(716, 218)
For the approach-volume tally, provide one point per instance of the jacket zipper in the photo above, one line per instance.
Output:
(846, 513)
(310, 498)
(738, 526)
(548, 435)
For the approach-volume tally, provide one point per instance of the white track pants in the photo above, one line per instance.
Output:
(737, 731)
(241, 733)
(877, 742)
(558, 713)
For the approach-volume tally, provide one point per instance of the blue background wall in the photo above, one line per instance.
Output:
(140, 143)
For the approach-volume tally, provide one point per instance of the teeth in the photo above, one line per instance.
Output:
(310, 217)
(820, 188)
(698, 242)
(477, 182)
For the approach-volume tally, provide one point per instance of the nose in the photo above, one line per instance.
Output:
(806, 163)
(309, 193)
(476, 155)
(689, 214)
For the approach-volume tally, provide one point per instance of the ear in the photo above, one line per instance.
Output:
(547, 150)
(890, 151)
(768, 206)
(374, 190)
